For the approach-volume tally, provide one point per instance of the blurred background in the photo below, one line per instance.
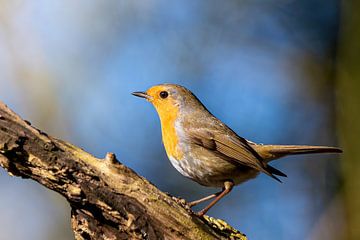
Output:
(281, 72)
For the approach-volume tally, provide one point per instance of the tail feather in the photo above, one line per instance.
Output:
(271, 152)
(294, 149)
(275, 177)
(275, 171)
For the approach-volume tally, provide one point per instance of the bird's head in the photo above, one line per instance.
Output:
(170, 98)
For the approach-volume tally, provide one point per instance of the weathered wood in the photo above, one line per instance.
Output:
(108, 200)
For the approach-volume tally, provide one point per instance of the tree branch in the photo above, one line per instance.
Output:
(108, 200)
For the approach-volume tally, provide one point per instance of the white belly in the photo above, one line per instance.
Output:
(211, 171)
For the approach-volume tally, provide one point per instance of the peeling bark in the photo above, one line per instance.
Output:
(108, 200)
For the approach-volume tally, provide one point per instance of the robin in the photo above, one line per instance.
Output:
(207, 151)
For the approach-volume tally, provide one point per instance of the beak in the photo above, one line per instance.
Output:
(141, 94)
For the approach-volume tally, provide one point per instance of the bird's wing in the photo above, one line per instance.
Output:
(234, 148)
(226, 143)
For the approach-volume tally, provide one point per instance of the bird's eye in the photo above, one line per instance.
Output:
(164, 94)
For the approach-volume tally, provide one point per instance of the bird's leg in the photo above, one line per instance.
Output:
(196, 202)
(228, 185)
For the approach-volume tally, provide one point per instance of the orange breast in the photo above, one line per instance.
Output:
(169, 135)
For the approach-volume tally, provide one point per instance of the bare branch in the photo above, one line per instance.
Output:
(108, 200)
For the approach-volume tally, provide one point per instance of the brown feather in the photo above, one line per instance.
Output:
(232, 148)
(272, 152)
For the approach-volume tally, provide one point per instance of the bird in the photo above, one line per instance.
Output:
(204, 149)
